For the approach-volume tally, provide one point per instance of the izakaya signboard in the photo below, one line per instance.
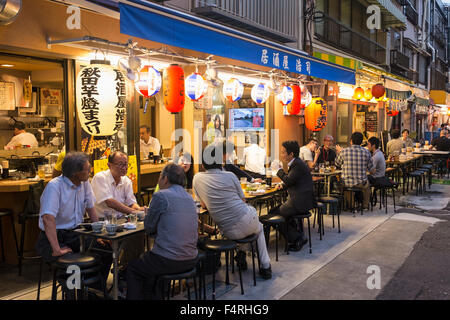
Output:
(171, 27)
(101, 99)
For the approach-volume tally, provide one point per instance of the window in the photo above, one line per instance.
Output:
(422, 69)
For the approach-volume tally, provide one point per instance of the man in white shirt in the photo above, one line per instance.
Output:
(148, 143)
(21, 137)
(255, 156)
(113, 190)
(306, 153)
(63, 204)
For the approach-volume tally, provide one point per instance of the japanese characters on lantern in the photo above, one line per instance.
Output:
(195, 86)
(101, 98)
(149, 82)
(233, 90)
(260, 93)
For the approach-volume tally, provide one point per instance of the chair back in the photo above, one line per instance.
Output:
(33, 202)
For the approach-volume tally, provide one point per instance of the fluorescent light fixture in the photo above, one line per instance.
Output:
(225, 76)
(6, 65)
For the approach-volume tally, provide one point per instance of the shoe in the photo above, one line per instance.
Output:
(297, 246)
(241, 261)
(266, 274)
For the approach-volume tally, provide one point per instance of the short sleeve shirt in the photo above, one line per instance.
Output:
(66, 202)
(306, 154)
(105, 188)
(379, 163)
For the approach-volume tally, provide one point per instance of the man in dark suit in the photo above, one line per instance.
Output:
(300, 187)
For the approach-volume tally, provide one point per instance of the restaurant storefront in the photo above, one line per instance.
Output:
(53, 55)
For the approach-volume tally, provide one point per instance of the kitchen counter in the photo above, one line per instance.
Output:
(9, 185)
(152, 168)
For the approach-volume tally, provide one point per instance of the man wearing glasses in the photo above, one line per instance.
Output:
(326, 153)
(113, 190)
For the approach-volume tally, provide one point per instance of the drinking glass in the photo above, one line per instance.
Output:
(133, 218)
(243, 183)
(41, 172)
(321, 168)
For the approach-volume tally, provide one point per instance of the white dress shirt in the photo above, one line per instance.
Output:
(151, 146)
(25, 139)
(255, 158)
(306, 154)
(105, 188)
(66, 202)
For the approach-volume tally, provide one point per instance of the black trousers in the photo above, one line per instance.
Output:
(67, 238)
(143, 273)
(295, 232)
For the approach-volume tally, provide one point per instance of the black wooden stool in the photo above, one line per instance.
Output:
(191, 274)
(333, 205)
(217, 247)
(354, 191)
(253, 241)
(300, 218)
(90, 274)
(318, 214)
(7, 213)
(275, 222)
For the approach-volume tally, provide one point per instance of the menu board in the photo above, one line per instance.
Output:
(7, 98)
(371, 121)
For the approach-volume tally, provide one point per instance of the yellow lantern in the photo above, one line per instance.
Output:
(358, 94)
(368, 94)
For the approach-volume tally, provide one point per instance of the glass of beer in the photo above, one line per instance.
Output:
(243, 183)
(41, 172)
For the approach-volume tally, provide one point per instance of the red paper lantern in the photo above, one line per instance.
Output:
(316, 115)
(358, 94)
(173, 88)
(294, 107)
(378, 91)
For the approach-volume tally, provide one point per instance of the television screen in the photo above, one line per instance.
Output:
(246, 119)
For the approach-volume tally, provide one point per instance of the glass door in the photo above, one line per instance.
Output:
(343, 123)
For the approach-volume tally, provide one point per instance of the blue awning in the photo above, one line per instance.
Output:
(150, 21)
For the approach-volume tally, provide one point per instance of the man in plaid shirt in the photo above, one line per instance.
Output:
(356, 161)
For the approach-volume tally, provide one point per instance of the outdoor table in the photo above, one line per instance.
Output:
(404, 164)
(117, 242)
(327, 176)
(432, 152)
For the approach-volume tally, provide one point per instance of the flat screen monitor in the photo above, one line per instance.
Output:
(246, 119)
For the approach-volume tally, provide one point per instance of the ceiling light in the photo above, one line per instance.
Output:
(6, 65)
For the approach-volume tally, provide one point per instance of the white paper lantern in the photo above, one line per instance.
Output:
(149, 82)
(260, 93)
(233, 90)
(101, 98)
(286, 96)
(306, 97)
(195, 86)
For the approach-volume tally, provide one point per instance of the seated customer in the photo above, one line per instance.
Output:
(172, 218)
(228, 149)
(63, 204)
(113, 189)
(326, 153)
(406, 139)
(299, 184)
(255, 158)
(307, 153)
(355, 161)
(379, 163)
(442, 143)
(396, 144)
(220, 192)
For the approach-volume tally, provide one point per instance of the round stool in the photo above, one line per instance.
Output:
(217, 247)
(333, 205)
(275, 222)
(89, 274)
(354, 191)
(300, 218)
(318, 213)
(253, 241)
(201, 258)
(191, 274)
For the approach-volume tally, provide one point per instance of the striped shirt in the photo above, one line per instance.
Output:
(355, 162)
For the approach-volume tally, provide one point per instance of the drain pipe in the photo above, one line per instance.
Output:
(433, 59)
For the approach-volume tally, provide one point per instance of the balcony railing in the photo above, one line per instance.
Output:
(438, 80)
(337, 34)
(399, 60)
(276, 20)
(411, 14)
